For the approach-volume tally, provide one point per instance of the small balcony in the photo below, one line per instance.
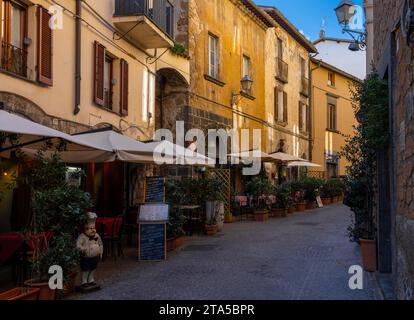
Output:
(282, 70)
(150, 23)
(13, 59)
(304, 86)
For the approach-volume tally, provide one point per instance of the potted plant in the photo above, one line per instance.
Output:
(298, 195)
(362, 230)
(337, 187)
(210, 188)
(175, 229)
(58, 210)
(311, 188)
(284, 200)
(211, 224)
(326, 193)
(256, 188)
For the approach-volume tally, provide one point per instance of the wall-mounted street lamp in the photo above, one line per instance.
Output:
(246, 86)
(345, 12)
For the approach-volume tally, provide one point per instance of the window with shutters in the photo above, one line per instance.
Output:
(303, 117)
(281, 112)
(108, 82)
(213, 56)
(124, 89)
(13, 26)
(45, 48)
(331, 79)
(111, 81)
(332, 117)
(99, 74)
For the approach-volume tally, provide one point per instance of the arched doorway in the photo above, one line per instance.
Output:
(172, 99)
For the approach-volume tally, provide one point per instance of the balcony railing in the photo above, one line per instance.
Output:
(161, 12)
(282, 70)
(13, 59)
(304, 86)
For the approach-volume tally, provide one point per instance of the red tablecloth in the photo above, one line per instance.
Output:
(9, 244)
(108, 224)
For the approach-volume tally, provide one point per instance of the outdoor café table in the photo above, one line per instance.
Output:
(194, 218)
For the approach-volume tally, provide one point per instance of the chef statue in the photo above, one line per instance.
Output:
(90, 244)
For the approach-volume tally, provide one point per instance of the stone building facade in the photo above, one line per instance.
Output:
(394, 60)
(287, 87)
(240, 30)
(117, 72)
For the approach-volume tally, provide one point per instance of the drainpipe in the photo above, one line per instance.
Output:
(78, 45)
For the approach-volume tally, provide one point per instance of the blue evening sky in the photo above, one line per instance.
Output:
(307, 15)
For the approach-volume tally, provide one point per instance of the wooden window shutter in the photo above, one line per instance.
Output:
(307, 118)
(45, 48)
(99, 73)
(124, 87)
(276, 104)
(300, 116)
(285, 107)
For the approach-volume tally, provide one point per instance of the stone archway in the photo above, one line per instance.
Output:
(172, 99)
(28, 109)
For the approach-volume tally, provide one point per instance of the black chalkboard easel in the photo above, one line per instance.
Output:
(152, 241)
(155, 190)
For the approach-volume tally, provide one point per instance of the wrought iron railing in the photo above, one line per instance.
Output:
(159, 11)
(13, 59)
(304, 86)
(282, 70)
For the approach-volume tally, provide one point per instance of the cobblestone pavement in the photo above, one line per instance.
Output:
(304, 256)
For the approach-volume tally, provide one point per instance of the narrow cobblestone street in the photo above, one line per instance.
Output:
(304, 256)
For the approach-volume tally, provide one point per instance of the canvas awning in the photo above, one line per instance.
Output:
(32, 136)
(303, 164)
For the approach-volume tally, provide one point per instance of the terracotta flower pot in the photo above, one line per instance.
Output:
(179, 242)
(310, 205)
(291, 210)
(170, 244)
(326, 201)
(301, 206)
(261, 215)
(279, 212)
(228, 218)
(45, 292)
(369, 254)
(69, 286)
(20, 294)
(211, 230)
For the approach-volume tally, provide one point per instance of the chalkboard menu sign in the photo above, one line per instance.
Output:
(155, 190)
(152, 241)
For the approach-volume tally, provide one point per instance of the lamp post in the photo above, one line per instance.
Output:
(345, 12)
(246, 86)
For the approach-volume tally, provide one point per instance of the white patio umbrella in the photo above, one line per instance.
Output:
(281, 156)
(32, 136)
(170, 153)
(303, 164)
(265, 157)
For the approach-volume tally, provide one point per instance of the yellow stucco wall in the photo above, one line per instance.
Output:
(239, 33)
(58, 101)
(326, 141)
